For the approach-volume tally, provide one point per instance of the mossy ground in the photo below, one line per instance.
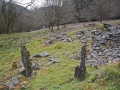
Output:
(58, 76)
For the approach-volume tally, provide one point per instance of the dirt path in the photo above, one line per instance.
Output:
(77, 26)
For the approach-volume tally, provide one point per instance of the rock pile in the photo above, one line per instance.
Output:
(45, 55)
(80, 34)
(14, 84)
(59, 37)
(105, 48)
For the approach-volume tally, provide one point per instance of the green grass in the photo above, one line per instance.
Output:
(10, 47)
(58, 76)
(116, 23)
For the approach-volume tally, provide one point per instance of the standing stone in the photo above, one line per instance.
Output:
(80, 70)
(25, 55)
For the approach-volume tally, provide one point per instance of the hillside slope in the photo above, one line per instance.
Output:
(56, 76)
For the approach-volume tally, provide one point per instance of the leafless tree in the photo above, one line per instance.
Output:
(56, 10)
(101, 9)
(9, 15)
(115, 10)
(35, 18)
(82, 10)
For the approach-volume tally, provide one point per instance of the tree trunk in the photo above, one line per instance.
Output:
(25, 55)
(58, 27)
(101, 18)
(80, 70)
(52, 27)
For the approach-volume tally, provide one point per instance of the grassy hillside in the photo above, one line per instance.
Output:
(58, 76)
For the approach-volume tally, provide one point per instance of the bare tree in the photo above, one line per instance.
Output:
(82, 10)
(9, 15)
(56, 10)
(101, 9)
(65, 12)
(115, 10)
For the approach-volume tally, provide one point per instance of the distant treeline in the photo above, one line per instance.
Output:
(15, 18)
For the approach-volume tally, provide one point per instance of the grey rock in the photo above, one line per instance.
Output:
(97, 48)
(112, 28)
(20, 64)
(84, 37)
(117, 59)
(114, 54)
(48, 42)
(100, 53)
(69, 39)
(30, 58)
(78, 36)
(84, 41)
(96, 32)
(94, 54)
(15, 81)
(59, 36)
(102, 41)
(91, 62)
(65, 40)
(35, 66)
(82, 32)
(88, 57)
(51, 62)
(108, 53)
(55, 60)
(63, 33)
(44, 54)
(37, 55)
(105, 35)
(118, 31)
(93, 31)
(118, 55)
(105, 50)
(10, 85)
(88, 39)
(99, 61)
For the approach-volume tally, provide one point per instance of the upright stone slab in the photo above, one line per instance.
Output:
(80, 70)
(25, 55)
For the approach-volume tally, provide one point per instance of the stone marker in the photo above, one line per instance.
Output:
(80, 70)
(25, 55)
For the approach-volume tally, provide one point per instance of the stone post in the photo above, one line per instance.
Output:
(25, 56)
(80, 70)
